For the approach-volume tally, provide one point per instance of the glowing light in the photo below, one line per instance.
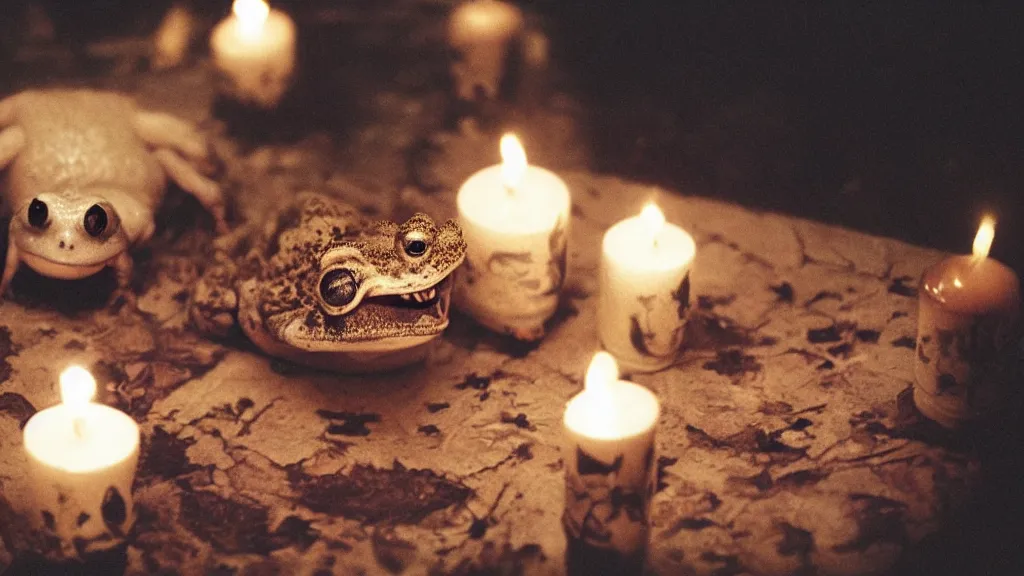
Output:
(77, 386)
(653, 220)
(252, 15)
(983, 240)
(513, 161)
(603, 370)
(958, 283)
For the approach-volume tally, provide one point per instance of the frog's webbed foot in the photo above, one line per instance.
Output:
(180, 149)
(214, 305)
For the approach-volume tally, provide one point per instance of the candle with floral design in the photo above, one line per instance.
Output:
(481, 33)
(82, 459)
(644, 290)
(610, 472)
(515, 219)
(254, 52)
(967, 322)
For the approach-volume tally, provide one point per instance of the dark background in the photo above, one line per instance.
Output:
(901, 119)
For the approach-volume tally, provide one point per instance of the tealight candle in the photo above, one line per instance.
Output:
(481, 32)
(254, 51)
(967, 316)
(610, 472)
(515, 219)
(644, 290)
(82, 458)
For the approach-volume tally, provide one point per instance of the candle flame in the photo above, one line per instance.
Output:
(603, 370)
(983, 240)
(513, 160)
(77, 386)
(252, 15)
(653, 219)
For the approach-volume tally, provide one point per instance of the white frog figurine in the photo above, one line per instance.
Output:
(86, 171)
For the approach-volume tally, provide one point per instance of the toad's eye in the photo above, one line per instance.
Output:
(415, 244)
(38, 214)
(96, 220)
(416, 247)
(338, 287)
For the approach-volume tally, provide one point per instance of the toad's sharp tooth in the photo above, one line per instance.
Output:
(404, 297)
(431, 293)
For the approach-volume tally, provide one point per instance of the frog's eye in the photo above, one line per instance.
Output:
(338, 287)
(96, 220)
(414, 243)
(38, 213)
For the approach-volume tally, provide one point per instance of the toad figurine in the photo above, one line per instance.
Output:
(321, 285)
(86, 171)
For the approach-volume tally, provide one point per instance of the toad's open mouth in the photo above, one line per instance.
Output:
(433, 301)
(378, 324)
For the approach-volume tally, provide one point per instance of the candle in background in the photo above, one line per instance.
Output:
(481, 33)
(644, 290)
(610, 473)
(254, 51)
(82, 458)
(515, 219)
(173, 37)
(967, 316)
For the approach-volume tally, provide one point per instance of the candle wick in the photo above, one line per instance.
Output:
(78, 424)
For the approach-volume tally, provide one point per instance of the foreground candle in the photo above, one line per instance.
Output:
(644, 290)
(481, 32)
(515, 219)
(254, 51)
(610, 474)
(82, 459)
(966, 319)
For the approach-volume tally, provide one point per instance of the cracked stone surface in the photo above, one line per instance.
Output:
(788, 442)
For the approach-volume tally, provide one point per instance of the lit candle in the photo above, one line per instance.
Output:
(515, 219)
(82, 459)
(966, 319)
(173, 37)
(610, 472)
(254, 50)
(481, 32)
(644, 290)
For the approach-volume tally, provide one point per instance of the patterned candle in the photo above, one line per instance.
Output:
(967, 318)
(82, 459)
(515, 219)
(644, 290)
(481, 32)
(254, 52)
(610, 472)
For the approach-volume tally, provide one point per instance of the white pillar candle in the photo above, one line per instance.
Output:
(967, 314)
(481, 32)
(515, 219)
(254, 51)
(610, 472)
(644, 290)
(82, 458)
